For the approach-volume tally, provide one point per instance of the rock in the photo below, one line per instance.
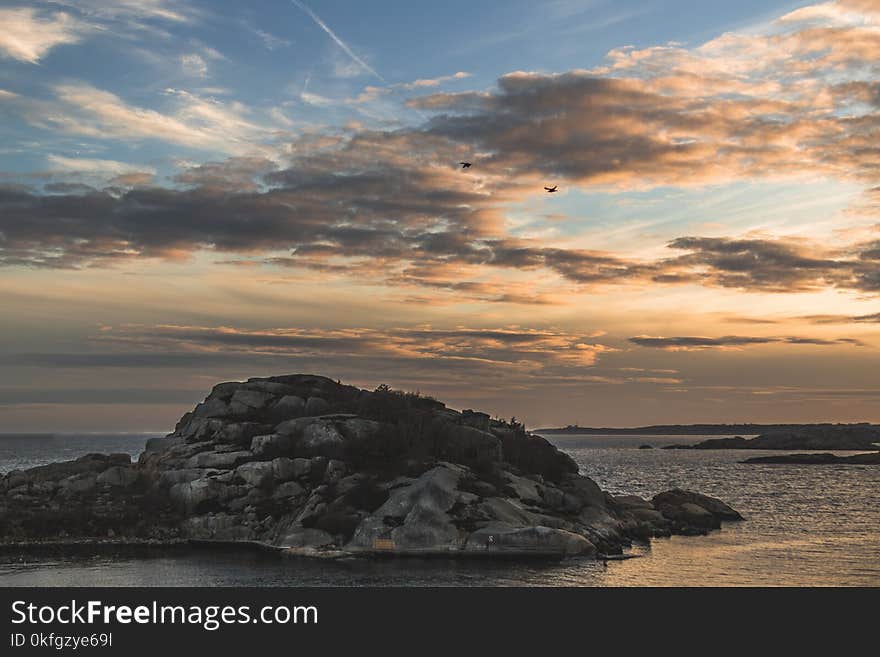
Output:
(249, 399)
(816, 437)
(421, 511)
(306, 464)
(464, 444)
(271, 444)
(475, 419)
(426, 527)
(161, 444)
(212, 408)
(288, 407)
(118, 475)
(170, 477)
(553, 497)
(437, 488)
(201, 429)
(301, 467)
(506, 511)
(283, 469)
(525, 489)
(293, 429)
(240, 433)
(335, 471)
(629, 502)
(313, 507)
(256, 473)
(584, 489)
(503, 538)
(198, 494)
(78, 483)
(649, 515)
(818, 459)
(316, 406)
(678, 497)
(218, 460)
(532, 453)
(321, 439)
(646, 446)
(301, 537)
(217, 527)
(272, 388)
(288, 489)
(358, 429)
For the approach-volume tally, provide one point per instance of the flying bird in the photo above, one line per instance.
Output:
(550, 190)
(465, 165)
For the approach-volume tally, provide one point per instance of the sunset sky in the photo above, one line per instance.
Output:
(193, 192)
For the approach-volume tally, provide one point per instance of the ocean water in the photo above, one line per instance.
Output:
(806, 525)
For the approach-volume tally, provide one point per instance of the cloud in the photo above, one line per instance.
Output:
(390, 207)
(528, 353)
(270, 41)
(194, 65)
(28, 35)
(167, 10)
(238, 174)
(435, 82)
(781, 104)
(774, 265)
(360, 206)
(191, 120)
(873, 318)
(374, 93)
(106, 168)
(76, 396)
(339, 42)
(690, 343)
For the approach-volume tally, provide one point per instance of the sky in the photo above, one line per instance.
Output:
(194, 192)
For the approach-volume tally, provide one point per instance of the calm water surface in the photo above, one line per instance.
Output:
(806, 525)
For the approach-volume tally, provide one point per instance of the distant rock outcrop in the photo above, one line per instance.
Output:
(305, 464)
(824, 437)
(819, 459)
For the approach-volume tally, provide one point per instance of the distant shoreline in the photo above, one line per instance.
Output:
(697, 429)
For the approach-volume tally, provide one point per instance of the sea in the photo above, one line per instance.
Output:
(805, 526)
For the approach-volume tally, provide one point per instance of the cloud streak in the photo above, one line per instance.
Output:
(691, 343)
(338, 41)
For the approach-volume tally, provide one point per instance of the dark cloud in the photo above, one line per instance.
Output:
(873, 318)
(26, 396)
(237, 174)
(773, 265)
(406, 239)
(507, 347)
(728, 341)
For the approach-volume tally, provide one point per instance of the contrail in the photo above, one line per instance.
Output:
(339, 42)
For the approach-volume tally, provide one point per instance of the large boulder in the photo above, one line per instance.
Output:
(321, 438)
(677, 497)
(502, 538)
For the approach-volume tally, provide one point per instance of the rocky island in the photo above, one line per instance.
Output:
(306, 465)
(823, 458)
(815, 437)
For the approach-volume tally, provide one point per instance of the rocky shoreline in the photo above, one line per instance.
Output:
(822, 458)
(305, 465)
(819, 437)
